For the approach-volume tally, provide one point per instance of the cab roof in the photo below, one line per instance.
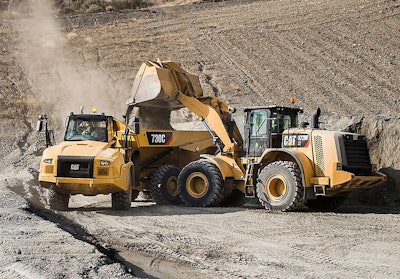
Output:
(94, 116)
(275, 109)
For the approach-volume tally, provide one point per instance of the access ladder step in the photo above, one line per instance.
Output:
(249, 191)
(320, 190)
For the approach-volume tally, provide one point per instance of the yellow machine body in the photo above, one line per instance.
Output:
(321, 157)
(95, 167)
(315, 161)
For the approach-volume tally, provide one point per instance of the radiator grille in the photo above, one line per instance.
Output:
(357, 155)
(319, 155)
(75, 166)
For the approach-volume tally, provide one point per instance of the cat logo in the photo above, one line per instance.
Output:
(296, 140)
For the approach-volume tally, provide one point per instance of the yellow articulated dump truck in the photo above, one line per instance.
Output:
(283, 164)
(102, 155)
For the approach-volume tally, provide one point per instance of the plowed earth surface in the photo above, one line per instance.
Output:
(341, 56)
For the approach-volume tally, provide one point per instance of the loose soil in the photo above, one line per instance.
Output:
(341, 56)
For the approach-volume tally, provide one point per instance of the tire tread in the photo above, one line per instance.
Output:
(214, 197)
(297, 201)
(156, 179)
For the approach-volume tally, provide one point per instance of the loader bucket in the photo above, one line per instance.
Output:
(157, 84)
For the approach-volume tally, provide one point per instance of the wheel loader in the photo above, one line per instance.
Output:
(283, 164)
(103, 155)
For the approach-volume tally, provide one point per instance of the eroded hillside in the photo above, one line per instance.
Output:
(341, 56)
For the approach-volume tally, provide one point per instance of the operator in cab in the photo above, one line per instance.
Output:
(89, 130)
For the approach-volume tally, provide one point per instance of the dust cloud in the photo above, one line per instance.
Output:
(59, 74)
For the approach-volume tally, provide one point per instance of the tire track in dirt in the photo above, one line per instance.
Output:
(159, 245)
(285, 49)
(252, 72)
(348, 49)
(213, 241)
(323, 87)
(344, 59)
(318, 90)
(237, 58)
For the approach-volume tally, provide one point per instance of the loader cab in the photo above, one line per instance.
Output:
(83, 127)
(264, 127)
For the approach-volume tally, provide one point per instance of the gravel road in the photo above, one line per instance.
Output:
(342, 56)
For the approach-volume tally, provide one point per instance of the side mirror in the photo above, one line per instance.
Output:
(39, 126)
(136, 126)
(49, 133)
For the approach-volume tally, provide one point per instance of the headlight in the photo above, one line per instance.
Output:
(104, 163)
(48, 161)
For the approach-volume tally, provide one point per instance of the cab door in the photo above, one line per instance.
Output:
(258, 132)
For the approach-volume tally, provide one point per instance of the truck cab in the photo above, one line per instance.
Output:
(265, 126)
(82, 127)
(89, 161)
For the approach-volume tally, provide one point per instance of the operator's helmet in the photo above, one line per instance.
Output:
(89, 125)
(82, 126)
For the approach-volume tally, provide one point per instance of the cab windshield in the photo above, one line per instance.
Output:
(265, 127)
(81, 129)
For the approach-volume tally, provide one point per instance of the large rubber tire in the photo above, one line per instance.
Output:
(58, 201)
(325, 203)
(122, 200)
(200, 184)
(163, 185)
(279, 187)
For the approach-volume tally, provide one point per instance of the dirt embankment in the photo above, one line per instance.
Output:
(342, 56)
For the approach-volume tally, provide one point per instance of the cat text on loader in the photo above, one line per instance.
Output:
(285, 166)
(102, 155)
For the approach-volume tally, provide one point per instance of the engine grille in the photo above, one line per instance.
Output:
(75, 166)
(319, 155)
(357, 155)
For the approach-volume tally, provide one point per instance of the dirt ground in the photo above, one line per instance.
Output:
(341, 56)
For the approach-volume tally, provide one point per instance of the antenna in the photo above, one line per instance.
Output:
(82, 107)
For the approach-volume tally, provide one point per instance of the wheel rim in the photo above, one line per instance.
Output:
(172, 186)
(276, 188)
(197, 184)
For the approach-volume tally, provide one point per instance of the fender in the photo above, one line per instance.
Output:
(226, 165)
(126, 170)
(302, 161)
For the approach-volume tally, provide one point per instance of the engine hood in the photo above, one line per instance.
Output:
(81, 148)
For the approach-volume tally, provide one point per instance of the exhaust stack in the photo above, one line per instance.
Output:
(314, 121)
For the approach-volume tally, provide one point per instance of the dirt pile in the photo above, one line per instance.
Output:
(341, 56)
(384, 137)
